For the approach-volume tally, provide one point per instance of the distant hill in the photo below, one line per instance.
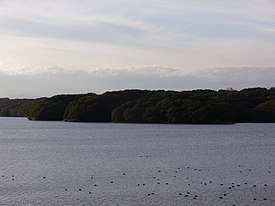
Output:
(145, 106)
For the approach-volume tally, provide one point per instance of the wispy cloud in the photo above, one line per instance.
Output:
(90, 20)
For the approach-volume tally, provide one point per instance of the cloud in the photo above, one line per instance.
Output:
(69, 20)
(184, 38)
(56, 80)
(94, 20)
(239, 77)
(95, 29)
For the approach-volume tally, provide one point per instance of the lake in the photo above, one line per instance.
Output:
(60, 163)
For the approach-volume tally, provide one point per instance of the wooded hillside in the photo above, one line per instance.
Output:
(144, 106)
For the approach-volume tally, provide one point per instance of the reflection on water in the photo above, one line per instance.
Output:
(58, 163)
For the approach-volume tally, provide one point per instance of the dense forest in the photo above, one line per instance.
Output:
(17, 107)
(144, 106)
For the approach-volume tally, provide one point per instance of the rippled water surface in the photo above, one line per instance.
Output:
(59, 163)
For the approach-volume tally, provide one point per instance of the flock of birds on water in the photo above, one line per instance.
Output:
(158, 180)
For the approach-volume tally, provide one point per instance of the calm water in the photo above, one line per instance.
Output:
(58, 163)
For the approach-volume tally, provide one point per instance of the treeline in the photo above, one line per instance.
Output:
(17, 107)
(144, 106)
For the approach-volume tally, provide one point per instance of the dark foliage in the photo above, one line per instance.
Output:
(17, 107)
(51, 108)
(143, 106)
(98, 108)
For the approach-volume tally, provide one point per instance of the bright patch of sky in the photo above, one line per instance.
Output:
(191, 37)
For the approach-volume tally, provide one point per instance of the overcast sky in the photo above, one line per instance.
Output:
(74, 46)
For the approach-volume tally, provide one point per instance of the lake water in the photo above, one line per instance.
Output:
(59, 163)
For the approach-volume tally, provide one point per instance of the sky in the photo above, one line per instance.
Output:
(79, 46)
